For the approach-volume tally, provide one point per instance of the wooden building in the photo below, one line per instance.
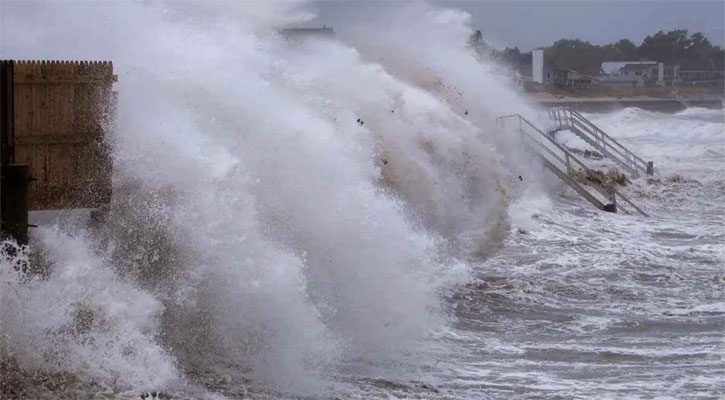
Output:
(53, 123)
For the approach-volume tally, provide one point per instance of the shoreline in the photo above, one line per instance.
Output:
(608, 104)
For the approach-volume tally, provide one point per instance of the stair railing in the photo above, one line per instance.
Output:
(570, 162)
(567, 118)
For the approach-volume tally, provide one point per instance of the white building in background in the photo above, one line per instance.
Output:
(612, 68)
(537, 66)
(639, 73)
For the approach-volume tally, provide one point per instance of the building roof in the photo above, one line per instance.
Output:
(618, 78)
(638, 67)
(613, 67)
(699, 65)
(325, 31)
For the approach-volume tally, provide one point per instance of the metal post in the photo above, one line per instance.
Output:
(6, 135)
(611, 207)
(14, 178)
(7, 114)
(15, 201)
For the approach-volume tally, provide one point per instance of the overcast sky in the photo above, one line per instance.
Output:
(534, 23)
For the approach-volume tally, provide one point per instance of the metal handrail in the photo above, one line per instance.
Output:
(557, 145)
(627, 155)
(610, 192)
(565, 115)
(571, 117)
(604, 134)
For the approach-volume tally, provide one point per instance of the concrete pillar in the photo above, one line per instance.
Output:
(537, 66)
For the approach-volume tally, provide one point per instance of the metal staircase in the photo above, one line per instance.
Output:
(568, 119)
(567, 167)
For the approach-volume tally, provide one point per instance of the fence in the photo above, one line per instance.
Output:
(57, 114)
(53, 119)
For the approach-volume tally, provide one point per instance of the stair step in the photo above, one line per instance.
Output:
(564, 164)
(569, 119)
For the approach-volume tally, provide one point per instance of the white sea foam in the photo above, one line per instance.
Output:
(277, 207)
(288, 212)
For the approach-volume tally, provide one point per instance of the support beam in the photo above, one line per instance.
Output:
(14, 202)
(561, 162)
(577, 187)
(7, 112)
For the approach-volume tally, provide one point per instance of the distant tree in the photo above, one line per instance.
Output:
(513, 56)
(575, 54)
(626, 49)
(479, 45)
(699, 41)
(677, 47)
(669, 47)
(701, 49)
(476, 38)
(673, 47)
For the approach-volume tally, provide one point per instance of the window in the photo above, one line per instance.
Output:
(638, 73)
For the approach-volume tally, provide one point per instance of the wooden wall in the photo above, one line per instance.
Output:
(61, 111)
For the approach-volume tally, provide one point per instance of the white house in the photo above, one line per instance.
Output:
(630, 73)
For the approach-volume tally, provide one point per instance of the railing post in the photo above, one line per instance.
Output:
(612, 207)
(14, 201)
(7, 104)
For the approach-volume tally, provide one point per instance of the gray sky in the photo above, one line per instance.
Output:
(534, 23)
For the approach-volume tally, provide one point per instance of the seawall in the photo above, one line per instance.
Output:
(613, 104)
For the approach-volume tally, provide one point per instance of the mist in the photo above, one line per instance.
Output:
(280, 209)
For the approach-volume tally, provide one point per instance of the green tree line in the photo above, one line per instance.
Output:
(690, 51)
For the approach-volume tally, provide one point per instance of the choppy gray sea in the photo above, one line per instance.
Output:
(580, 304)
(574, 304)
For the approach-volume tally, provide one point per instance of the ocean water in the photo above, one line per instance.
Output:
(594, 305)
(580, 304)
(341, 219)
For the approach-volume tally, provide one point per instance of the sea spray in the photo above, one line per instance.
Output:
(277, 209)
(81, 319)
(429, 47)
